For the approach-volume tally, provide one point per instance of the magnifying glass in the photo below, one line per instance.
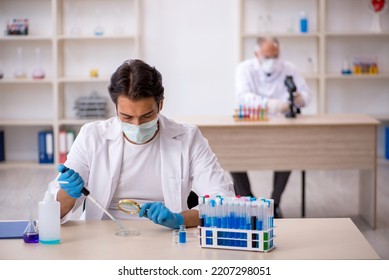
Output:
(128, 206)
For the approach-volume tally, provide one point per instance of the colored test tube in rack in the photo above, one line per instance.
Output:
(236, 222)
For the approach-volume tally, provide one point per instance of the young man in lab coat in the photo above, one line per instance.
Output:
(141, 155)
(261, 79)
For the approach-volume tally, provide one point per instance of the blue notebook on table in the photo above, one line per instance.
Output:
(12, 229)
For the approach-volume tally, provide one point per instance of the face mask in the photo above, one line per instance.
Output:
(269, 65)
(140, 134)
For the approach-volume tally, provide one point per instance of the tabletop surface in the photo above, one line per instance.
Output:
(295, 239)
(305, 120)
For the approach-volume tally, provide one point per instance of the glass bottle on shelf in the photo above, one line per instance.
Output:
(99, 30)
(20, 73)
(265, 23)
(75, 28)
(118, 29)
(38, 72)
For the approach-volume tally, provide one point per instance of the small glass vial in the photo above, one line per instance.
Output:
(175, 236)
(182, 234)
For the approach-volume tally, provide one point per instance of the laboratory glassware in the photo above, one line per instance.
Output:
(120, 229)
(38, 72)
(49, 220)
(31, 233)
(20, 73)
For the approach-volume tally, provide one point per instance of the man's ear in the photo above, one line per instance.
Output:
(161, 104)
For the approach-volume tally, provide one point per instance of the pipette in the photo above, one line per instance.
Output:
(121, 230)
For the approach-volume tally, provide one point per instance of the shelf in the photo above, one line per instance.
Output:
(282, 35)
(26, 123)
(92, 37)
(83, 79)
(26, 81)
(25, 38)
(76, 121)
(356, 34)
(25, 164)
(357, 76)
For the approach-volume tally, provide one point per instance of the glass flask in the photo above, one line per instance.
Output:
(31, 233)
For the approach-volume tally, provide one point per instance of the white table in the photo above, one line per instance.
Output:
(93, 240)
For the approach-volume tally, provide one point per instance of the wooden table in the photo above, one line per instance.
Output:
(93, 240)
(308, 142)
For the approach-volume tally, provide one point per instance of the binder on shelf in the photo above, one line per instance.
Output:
(46, 147)
(70, 136)
(66, 140)
(2, 146)
(62, 146)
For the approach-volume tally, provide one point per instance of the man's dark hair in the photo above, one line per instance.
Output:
(136, 80)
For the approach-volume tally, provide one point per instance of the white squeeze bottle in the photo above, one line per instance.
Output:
(49, 220)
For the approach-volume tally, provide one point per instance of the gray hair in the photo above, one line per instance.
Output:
(261, 40)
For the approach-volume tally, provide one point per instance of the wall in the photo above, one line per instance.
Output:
(194, 45)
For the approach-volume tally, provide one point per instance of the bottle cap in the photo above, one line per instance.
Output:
(48, 196)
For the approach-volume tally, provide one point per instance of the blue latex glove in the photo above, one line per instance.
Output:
(75, 181)
(160, 214)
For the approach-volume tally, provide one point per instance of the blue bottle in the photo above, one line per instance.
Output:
(303, 22)
(182, 234)
(387, 142)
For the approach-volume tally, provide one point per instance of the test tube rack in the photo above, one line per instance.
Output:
(237, 239)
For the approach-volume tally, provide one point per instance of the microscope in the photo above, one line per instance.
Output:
(293, 110)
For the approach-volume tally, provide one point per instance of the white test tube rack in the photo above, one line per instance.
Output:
(237, 239)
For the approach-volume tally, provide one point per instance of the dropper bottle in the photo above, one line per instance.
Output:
(49, 220)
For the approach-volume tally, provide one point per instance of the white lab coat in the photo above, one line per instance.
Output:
(186, 161)
(253, 83)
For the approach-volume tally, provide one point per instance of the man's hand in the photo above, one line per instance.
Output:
(74, 184)
(277, 106)
(160, 214)
(298, 100)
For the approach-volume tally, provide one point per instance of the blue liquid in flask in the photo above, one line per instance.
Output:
(31, 237)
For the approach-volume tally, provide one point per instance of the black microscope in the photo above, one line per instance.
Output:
(293, 110)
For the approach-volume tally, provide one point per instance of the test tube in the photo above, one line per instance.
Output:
(206, 211)
(218, 213)
(224, 220)
(201, 211)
